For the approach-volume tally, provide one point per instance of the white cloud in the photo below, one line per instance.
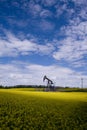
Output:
(79, 2)
(34, 9)
(64, 9)
(46, 49)
(46, 25)
(45, 13)
(49, 2)
(75, 21)
(13, 46)
(71, 50)
(77, 32)
(13, 74)
(18, 23)
(6, 49)
(83, 14)
(71, 9)
(81, 9)
(74, 47)
(60, 9)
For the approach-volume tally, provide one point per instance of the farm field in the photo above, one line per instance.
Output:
(26, 109)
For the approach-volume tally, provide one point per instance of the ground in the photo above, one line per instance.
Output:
(28, 109)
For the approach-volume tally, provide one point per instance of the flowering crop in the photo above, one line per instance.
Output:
(31, 110)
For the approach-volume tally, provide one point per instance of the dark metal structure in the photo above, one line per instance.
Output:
(81, 82)
(50, 84)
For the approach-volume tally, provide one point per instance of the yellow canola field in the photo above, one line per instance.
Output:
(27, 109)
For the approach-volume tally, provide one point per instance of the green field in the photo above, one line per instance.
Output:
(26, 109)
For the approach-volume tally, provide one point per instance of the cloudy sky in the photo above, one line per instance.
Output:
(43, 37)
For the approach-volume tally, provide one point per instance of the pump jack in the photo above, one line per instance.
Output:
(49, 83)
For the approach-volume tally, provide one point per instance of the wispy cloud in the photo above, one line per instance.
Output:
(34, 9)
(46, 13)
(80, 9)
(49, 3)
(79, 2)
(60, 9)
(31, 25)
(46, 25)
(73, 48)
(17, 23)
(13, 46)
(12, 74)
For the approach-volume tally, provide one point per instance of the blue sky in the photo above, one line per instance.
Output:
(43, 37)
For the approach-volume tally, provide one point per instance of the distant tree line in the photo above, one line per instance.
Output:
(23, 86)
(42, 87)
(1, 86)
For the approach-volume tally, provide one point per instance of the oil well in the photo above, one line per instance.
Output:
(50, 84)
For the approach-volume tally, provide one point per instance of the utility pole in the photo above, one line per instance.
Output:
(81, 82)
